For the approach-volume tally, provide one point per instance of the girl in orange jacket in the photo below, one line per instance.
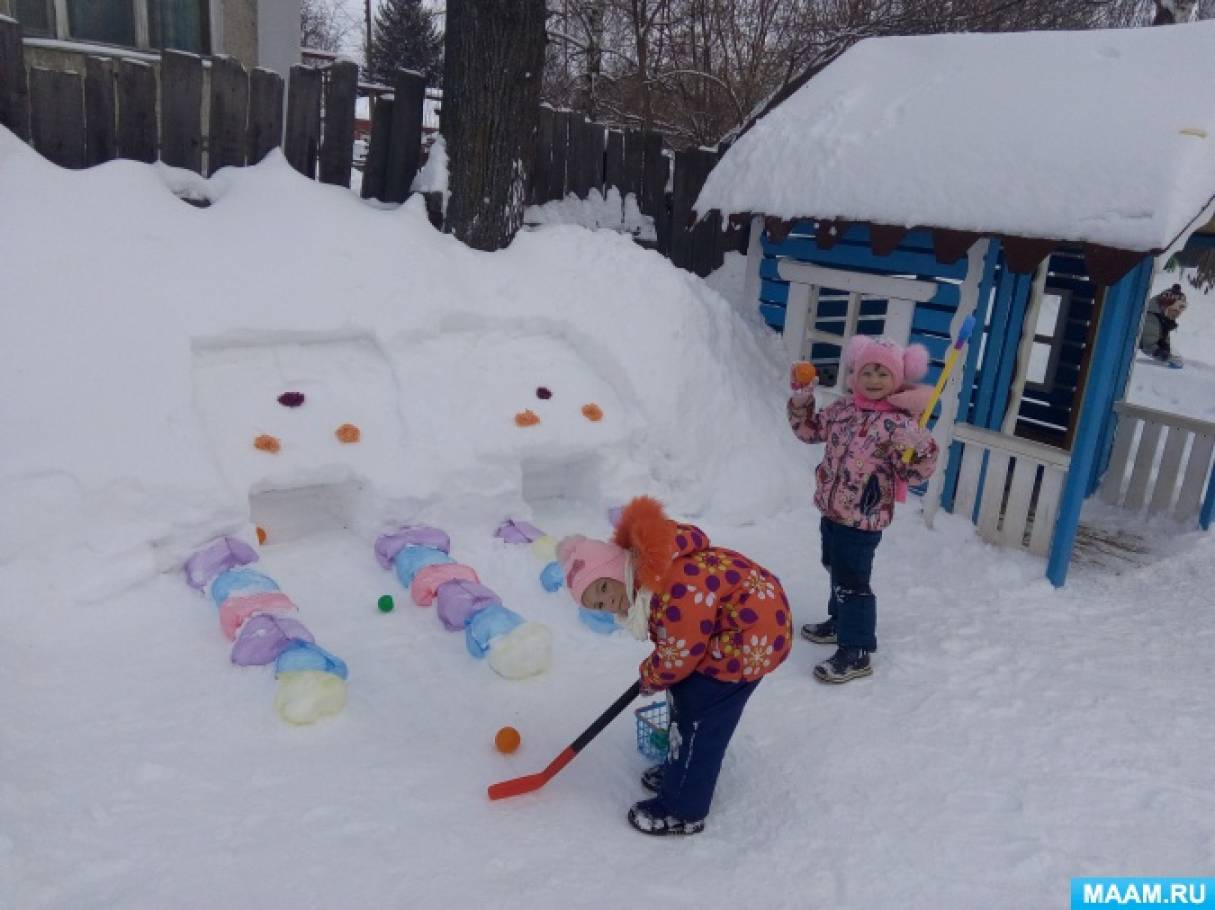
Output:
(719, 623)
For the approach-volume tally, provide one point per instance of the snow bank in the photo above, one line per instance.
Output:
(1105, 136)
(144, 343)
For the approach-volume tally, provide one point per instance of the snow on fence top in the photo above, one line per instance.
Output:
(1106, 137)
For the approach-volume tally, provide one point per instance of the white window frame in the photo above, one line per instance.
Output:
(801, 307)
(1055, 341)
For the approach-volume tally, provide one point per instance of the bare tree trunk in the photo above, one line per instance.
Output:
(491, 112)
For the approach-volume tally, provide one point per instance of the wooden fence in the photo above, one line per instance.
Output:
(206, 113)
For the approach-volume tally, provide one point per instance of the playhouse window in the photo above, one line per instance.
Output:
(34, 16)
(1048, 340)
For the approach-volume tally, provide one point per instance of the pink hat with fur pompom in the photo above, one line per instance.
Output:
(584, 560)
(907, 365)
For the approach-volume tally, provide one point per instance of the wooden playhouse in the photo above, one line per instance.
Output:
(1033, 180)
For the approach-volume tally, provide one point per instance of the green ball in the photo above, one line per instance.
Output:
(385, 603)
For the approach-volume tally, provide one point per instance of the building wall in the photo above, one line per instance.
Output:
(278, 35)
(239, 31)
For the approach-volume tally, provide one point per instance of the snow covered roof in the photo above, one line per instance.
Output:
(1105, 137)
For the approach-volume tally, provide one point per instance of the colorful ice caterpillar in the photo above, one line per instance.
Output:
(514, 531)
(419, 554)
(260, 621)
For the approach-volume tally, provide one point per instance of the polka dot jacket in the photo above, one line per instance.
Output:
(713, 611)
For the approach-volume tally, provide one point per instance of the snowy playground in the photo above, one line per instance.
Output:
(293, 364)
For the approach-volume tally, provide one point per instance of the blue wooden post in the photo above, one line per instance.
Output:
(1208, 503)
(1098, 401)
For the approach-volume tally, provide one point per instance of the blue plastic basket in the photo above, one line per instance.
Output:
(653, 722)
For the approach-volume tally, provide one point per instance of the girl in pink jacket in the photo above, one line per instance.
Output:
(861, 477)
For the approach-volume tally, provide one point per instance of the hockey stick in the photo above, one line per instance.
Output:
(526, 784)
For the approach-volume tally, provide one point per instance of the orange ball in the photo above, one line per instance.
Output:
(804, 373)
(526, 418)
(507, 740)
(592, 412)
(266, 443)
(347, 432)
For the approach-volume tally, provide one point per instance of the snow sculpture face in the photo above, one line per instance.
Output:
(607, 595)
(875, 381)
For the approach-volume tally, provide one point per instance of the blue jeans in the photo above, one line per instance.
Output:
(704, 713)
(848, 557)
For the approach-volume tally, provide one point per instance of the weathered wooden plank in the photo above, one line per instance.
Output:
(137, 121)
(596, 140)
(1197, 469)
(181, 94)
(993, 496)
(302, 139)
(705, 252)
(1141, 475)
(1020, 499)
(265, 114)
(1046, 512)
(539, 179)
(1170, 469)
(682, 195)
(100, 125)
(14, 84)
(337, 141)
(559, 175)
(375, 169)
(578, 182)
(57, 116)
(613, 162)
(1115, 474)
(229, 125)
(634, 158)
(968, 481)
(405, 139)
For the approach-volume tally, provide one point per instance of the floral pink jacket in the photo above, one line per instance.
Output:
(855, 483)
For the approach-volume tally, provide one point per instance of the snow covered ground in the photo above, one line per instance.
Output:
(1013, 736)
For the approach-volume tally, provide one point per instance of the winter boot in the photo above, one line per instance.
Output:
(651, 778)
(650, 817)
(843, 665)
(821, 633)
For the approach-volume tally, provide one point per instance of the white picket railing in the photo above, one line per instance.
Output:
(1018, 496)
(1172, 480)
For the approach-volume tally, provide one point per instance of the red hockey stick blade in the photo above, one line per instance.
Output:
(517, 786)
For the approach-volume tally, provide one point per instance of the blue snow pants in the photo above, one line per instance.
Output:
(704, 713)
(848, 557)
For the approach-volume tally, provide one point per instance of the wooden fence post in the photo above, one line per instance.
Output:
(538, 183)
(229, 114)
(265, 114)
(596, 137)
(303, 140)
(579, 181)
(375, 169)
(181, 82)
(405, 138)
(681, 205)
(57, 116)
(101, 129)
(558, 185)
(634, 156)
(14, 85)
(706, 249)
(137, 111)
(337, 145)
(613, 162)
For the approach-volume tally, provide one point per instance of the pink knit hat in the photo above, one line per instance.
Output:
(584, 560)
(907, 365)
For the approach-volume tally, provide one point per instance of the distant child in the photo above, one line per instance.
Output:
(1163, 312)
(719, 623)
(861, 477)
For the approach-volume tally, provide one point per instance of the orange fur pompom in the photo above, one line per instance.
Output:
(266, 443)
(645, 530)
(592, 412)
(526, 419)
(261, 534)
(348, 432)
